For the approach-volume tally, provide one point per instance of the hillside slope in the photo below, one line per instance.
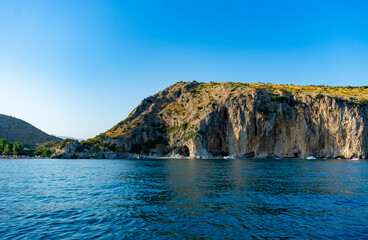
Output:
(16, 130)
(245, 120)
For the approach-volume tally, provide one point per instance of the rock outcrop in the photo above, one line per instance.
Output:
(245, 120)
(68, 150)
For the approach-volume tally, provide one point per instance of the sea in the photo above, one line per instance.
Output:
(183, 199)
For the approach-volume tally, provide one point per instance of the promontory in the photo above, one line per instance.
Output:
(237, 119)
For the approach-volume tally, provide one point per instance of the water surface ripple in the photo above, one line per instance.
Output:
(183, 199)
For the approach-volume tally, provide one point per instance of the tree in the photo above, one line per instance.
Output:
(18, 148)
(3, 142)
(7, 149)
(46, 153)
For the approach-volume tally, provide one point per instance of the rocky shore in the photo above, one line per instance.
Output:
(73, 153)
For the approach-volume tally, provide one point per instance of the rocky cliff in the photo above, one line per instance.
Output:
(245, 120)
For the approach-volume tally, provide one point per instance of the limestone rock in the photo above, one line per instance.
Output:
(243, 120)
(68, 151)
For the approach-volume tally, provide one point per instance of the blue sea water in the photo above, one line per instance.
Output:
(183, 199)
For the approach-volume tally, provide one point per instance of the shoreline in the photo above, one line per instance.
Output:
(142, 157)
(21, 157)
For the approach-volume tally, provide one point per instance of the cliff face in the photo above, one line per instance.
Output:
(245, 120)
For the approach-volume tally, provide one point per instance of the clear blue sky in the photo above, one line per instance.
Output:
(76, 68)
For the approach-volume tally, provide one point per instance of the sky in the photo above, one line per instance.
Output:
(77, 68)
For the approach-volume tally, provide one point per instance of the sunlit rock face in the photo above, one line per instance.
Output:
(245, 120)
(262, 128)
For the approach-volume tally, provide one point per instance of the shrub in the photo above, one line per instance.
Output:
(193, 90)
(47, 153)
(320, 96)
(279, 98)
(184, 126)
(363, 102)
(171, 129)
(190, 136)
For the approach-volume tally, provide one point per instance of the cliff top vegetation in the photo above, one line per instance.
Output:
(344, 92)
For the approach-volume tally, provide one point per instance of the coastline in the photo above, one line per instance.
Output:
(21, 157)
(141, 157)
(177, 156)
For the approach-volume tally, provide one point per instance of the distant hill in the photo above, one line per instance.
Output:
(68, 137)
(16, 130)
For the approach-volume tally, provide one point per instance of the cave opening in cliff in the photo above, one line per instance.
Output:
(215, 145)
(184, 151)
